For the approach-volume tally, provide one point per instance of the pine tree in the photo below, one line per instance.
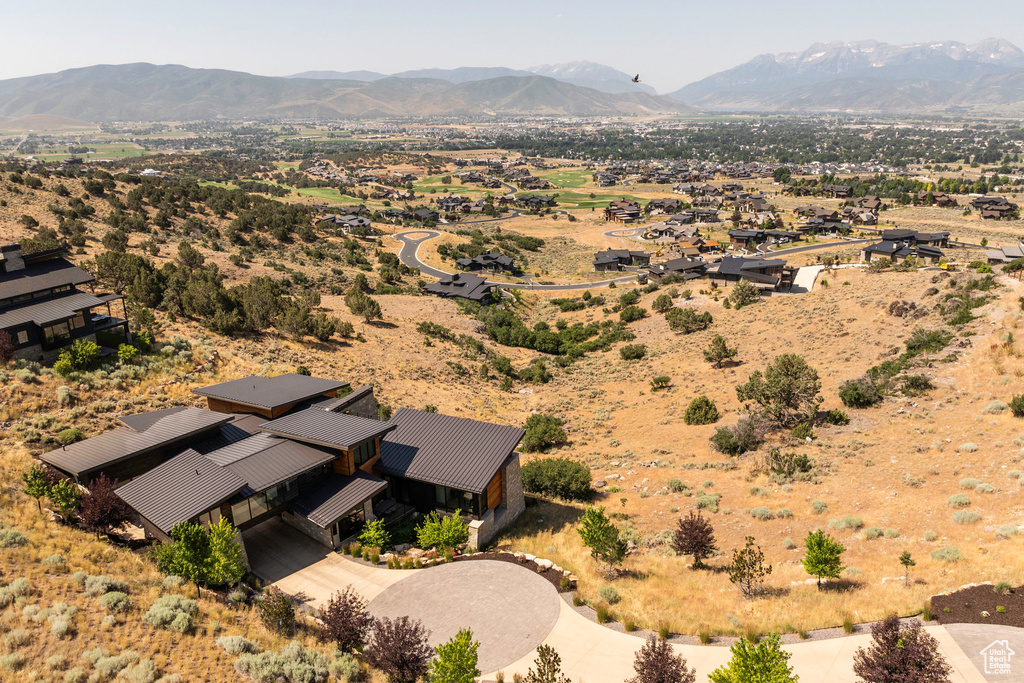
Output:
(748, 569)
(601, 536)
(718, 351)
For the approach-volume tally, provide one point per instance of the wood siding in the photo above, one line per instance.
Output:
(494, 490)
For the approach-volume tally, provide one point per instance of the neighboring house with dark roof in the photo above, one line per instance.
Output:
(900, 250)
(746, 239)
(493, 261)
(43, 310)
(994, 207)
(615, 259)
(689, 269)
(766, 274)
(463, 286)
(267, 396)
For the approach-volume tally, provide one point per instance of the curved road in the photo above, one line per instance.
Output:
(409, 255)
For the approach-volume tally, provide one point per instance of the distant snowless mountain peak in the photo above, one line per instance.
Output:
(871, 76)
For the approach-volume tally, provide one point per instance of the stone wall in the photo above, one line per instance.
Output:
(322, 536)
(482, 530)
(364, 407)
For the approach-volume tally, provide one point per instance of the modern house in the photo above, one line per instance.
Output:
(689, 269)
(747, 239)
(1005, 254)
(766, 274)
(615, 259)
(493, 261)
(900, 250)
(43, 309)
(321, 464)
(463, 286)
(995, 208)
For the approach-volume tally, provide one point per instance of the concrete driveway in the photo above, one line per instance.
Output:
(509, 609)
(310, 572)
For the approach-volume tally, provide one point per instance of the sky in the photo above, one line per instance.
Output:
(669, 43)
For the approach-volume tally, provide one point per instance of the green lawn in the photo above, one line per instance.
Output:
(326, 193)
(111, 151)
(582, 200)
(566, 177)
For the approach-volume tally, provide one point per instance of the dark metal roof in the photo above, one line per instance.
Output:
(451, 451)
(181, 488)
(140, 422)
(323, 428)
(120, 444)
(337, 495)
(735, 266)
(462, 285)
(270, 392)
(280, 460)
(52, 310)
(41, 276)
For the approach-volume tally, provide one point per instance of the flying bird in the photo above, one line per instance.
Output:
(636, 79)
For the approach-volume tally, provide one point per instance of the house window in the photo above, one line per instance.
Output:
(452, 500)
(363, 453)
(56, 332)
(210, 518)
(240, 512)
(78, 321)
(22, 337)
(258, 504)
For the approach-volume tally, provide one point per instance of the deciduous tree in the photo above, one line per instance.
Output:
(694, 536)
(900, 653)
(547, 668)
(102, 509)
(456, 660)
(601, 536)
(399, 649)
(345, 621)
(763, 662)
(656, 662)
(824, 557)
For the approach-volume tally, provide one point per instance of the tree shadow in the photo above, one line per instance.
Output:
(382, 324)
(841, 586)
(541, 516)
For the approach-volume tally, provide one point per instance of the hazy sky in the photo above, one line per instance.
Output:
(669, 43)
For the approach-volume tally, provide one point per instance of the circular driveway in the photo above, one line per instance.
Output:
(510, 609)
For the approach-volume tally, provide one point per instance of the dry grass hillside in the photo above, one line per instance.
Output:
(894, 466)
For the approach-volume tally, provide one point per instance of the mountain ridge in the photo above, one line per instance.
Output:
(149, 92)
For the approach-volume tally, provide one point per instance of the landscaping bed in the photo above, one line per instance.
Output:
(552, 575)
(965, 606)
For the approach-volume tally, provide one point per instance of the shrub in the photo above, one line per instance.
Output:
(676, 486)
(1017, 405)
(709, 501)
(375, 535)
(110, 666)
(984, 488)
(557, 478)
(846, 522)
(17, 637)
(859, 393)
(891, 533)
(745, 436)
(54, 562)
(345, 668)
(660, 382)
(871, 533)
(819, 506)
(958, 500)
(803, 431)
(237, 645)
(631, 314)
(783, 513)
(98, 585)
(543, 432)
(744, 294)
(701, 411)
(115, 601)
(173, 612)
(633, 351)
(788, 543)
(947, 554)
(837, 417)
(688, 320)
(19, 587)
(12, 662)
(277, 612)
(965, 517)
(441, 532)
(762, 513)
(12, 538)
(930, 536)
(1007, 531)
(293, 664)
(609, 594)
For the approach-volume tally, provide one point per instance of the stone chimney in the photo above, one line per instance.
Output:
(10, 258)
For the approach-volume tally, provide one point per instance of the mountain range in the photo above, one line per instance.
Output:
(584, 74)
(870, 76)
(146, 92)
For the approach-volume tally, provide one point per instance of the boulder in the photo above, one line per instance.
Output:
(543, 565)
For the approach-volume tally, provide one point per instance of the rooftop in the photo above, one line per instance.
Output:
(270, 392)
(323, 428)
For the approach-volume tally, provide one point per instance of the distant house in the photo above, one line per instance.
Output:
(940, 199)
(463, 286)
(900, 250)
(689, 269)
(765, 274)
(1005, 254)
(871, 203)
(346, 223)
(994, 208)
(615, 259)
(663, 206)
(43, 309)
(746, 239)
(426, 215)
(836, 191)
(492, 261)
(535, 201)
(622, 211)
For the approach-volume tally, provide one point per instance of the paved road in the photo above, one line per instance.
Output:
(509, 609)
(409, 255)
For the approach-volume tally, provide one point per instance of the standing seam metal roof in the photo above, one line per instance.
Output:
(270, 392)
(335, 430)
(181, 488)
(52, 310)
(283, 460)
(452, 451)
(337, 495)
(45, 275)
(119, 444)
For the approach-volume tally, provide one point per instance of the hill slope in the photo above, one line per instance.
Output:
(865, 76)
(156, 93)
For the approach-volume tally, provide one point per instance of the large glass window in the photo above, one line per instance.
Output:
(240, 512)
(453, 500)
(56, 332)
(364, 453)
(258, 504)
